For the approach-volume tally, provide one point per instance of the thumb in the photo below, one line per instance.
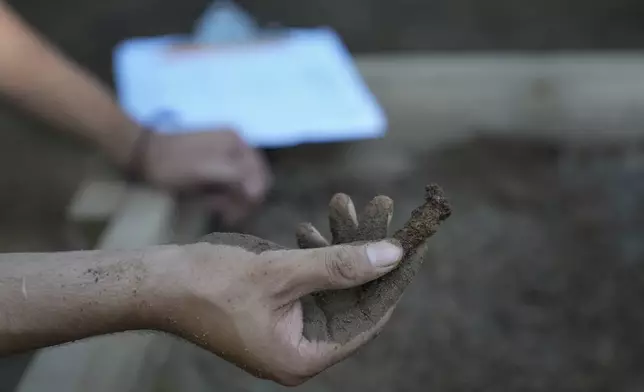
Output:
(344, 266)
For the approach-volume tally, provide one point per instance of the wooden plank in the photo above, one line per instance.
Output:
(90, 209)
(96, 200)
(562, 95)
(145, 218)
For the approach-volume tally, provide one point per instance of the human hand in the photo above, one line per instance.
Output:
(285, 314)
(246, 307)
(231, 175)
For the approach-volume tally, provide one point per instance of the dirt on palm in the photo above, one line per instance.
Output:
(342, 315)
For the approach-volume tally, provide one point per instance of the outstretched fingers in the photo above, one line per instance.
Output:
(343, 220)
(375, 219)
(308, 237)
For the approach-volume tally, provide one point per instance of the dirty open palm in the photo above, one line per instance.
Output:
(341, 316)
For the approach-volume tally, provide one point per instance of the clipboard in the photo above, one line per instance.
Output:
(298, 86)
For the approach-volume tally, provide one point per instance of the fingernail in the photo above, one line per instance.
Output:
(384, 254)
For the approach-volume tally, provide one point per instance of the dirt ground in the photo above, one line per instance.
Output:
(536, 281)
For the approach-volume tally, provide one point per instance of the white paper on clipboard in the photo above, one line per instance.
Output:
(302, 87)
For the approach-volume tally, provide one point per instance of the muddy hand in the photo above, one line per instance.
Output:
(341, 315)
(345, 225)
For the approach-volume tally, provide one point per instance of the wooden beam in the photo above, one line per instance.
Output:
(96, 200)
(439, 97)
(145, 218)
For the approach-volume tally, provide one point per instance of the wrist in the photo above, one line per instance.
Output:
(121, 143)
(196, 291)
(165, 291)
(135, 164)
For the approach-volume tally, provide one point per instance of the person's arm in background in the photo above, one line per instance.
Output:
(38, 77)
(41, 79)
(240, 305)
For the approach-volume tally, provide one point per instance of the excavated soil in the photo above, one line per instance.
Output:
(535, 282)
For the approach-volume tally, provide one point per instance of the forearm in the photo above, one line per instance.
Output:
(39, 78)
(49, 299)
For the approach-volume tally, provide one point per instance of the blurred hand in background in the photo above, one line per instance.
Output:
(218, 166)
(38, 77)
